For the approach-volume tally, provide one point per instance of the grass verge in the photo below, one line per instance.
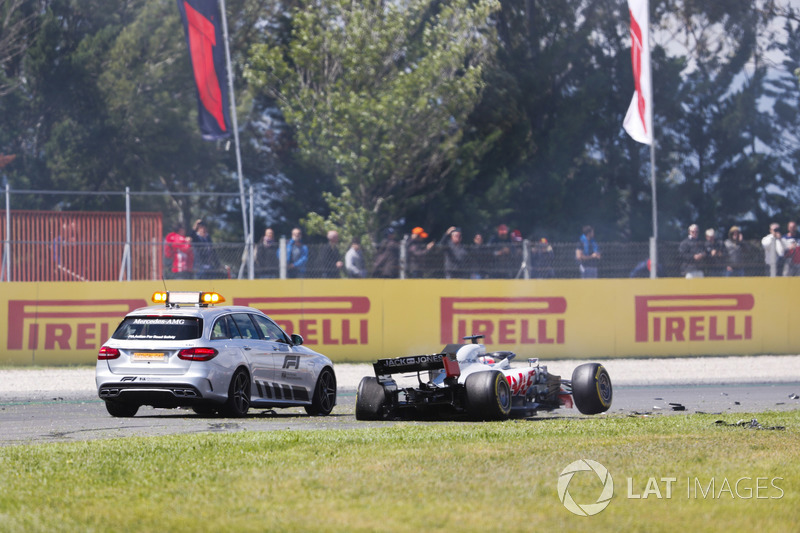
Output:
(413, 477)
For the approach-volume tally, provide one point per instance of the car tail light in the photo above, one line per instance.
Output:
(107, 353)
(197, 354)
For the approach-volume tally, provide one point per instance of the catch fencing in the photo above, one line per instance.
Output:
(75, 259)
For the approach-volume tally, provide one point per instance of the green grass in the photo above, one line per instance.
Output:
(410, 477)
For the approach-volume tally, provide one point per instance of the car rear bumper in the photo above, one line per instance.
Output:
(173, 393)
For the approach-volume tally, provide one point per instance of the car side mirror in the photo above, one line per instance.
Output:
(297, 340)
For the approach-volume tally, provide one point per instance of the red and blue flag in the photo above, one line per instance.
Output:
(203, 27)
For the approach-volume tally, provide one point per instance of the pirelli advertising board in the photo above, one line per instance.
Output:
(362, 320)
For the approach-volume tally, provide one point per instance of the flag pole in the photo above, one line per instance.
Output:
(248, 234)
(654, 201)
(654, 238)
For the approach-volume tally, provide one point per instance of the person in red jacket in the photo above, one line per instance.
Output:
(178, 248)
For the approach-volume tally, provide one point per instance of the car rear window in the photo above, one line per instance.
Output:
(162, 328)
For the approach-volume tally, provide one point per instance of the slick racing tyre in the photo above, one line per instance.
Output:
(122, 410)
(370, 399)
(238, 402)
(488, 395)
(324, 394)
(591, 388)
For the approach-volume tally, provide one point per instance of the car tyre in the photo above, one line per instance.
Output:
(370, 399)
(591, 388)
(324, 394)
(488, 395)
(238, 402)
(120, 409)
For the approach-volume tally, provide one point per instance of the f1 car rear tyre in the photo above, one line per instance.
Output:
(488, 395)
(120, 409)
(370, 399)
(324, 394)
(238, 402)
(591, 388)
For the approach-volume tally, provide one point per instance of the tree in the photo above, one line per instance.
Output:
(377, 95)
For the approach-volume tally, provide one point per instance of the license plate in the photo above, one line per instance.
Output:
(154, 357)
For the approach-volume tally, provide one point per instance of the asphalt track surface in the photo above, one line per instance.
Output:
(60, 405)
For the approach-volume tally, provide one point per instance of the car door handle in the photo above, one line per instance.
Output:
(246, 347)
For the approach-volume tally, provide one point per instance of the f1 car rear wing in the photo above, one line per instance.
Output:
(415, 363)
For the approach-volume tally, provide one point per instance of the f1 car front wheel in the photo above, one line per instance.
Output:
(488, 395)
(370, 399)
(591, 388)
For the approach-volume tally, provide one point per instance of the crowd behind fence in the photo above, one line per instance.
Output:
(79, 260)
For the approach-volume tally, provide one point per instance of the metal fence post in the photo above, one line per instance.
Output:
(526, 259)
(6, 267)
(403, 257)
(250, 242)
(282, 257)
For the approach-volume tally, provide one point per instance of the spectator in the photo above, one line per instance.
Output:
(329, 261)
(734, 251)
(416, 252)
(500, 243)
(456, 257)
(479, 258)
(587, 253)
(543, 259)
(774, 250)
(266, 256)
(387, 258)
(296, 255)
(354, 260)
(692, 252)
(178, 248)
(791, 233)
(791, 258)
(715, 254)
(206, 262)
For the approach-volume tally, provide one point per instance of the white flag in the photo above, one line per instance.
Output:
(639, 119)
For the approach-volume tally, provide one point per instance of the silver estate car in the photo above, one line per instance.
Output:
(226, 359)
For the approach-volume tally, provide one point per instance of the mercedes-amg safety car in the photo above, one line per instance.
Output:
(463, 380)
(189, 351)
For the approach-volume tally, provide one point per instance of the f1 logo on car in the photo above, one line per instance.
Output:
(291, 361)
(694, 317)
(523, 320)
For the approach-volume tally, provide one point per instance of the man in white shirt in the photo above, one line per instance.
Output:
(774, 249)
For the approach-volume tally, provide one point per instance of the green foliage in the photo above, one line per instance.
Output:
(362, 114)
(378, 94)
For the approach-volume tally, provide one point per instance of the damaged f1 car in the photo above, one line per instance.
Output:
(464, 381)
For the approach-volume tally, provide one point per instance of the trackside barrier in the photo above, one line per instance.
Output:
(362, 320)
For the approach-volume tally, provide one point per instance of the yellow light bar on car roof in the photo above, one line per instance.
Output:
(211, 298)
(188, 298)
